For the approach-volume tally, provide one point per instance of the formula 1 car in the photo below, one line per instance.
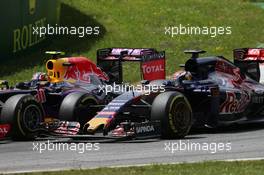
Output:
(71, 91)
(25, 107)
(210, 92)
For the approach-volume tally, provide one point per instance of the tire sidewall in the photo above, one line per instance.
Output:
(23, 107)
(71, 104)
(176, 99)
(161, 107)
(14, 113)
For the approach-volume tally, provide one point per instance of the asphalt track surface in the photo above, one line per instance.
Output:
(247, 142)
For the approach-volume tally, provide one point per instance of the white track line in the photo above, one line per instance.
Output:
(135, 165)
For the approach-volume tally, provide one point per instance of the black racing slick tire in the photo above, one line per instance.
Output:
(76, 107)
(24, 114)
(174, 112)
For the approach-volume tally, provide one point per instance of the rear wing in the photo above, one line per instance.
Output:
(152, 62)
(249, 54)
(251, 62)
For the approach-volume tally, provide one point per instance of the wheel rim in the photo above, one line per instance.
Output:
(180, 115)
(32, 117)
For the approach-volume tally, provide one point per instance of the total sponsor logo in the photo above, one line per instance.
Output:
(150, 69)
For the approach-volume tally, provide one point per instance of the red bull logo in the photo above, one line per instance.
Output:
(81, 70)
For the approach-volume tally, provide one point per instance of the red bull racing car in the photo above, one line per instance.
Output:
(30, 106)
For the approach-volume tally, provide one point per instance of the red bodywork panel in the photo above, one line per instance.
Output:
(81, 69)
(153, 69)
(4, 130)
(248, 54)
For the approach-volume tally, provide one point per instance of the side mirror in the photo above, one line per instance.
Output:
(22, 85)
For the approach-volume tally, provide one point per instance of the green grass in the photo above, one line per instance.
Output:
(141, 24)
(206, 168)
(260, 4)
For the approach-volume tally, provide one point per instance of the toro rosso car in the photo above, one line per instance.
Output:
(210, 91)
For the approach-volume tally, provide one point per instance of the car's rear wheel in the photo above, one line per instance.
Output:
(174, 112)
(24, 114)
(76, 107)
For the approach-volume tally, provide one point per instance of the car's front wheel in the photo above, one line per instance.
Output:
(76, 107)
(174, 112)
(24, 114)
